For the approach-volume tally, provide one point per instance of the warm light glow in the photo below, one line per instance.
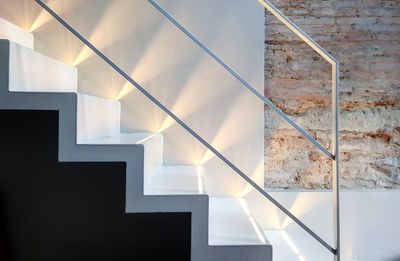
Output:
(200, 172)
(301, 258)
(292, 245)
(244, 206)
(252, 222)
(147, 138)
(274, 219)
(126, 89)
(83, 55)
(168, 122)
(257, 176)
(290, 242)
(62, 7)
(257, 229)
(187, 101)
(224, 137)
(303, 204)
(207, 156)
(104, 34)
(184, 105)
(41, 19)
(149, 66)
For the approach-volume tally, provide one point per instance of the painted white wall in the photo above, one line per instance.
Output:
(15, 33)
(370, 223)
(142, 42)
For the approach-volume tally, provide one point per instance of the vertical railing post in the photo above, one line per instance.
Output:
(336, 152)
(335, 108)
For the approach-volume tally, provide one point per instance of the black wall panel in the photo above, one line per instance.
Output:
(72, 211)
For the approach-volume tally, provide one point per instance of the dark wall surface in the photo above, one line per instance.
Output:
(72, 211)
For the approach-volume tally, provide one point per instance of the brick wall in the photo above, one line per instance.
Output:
(364, 35)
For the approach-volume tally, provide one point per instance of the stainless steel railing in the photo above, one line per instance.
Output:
(335, 113)
(241, 79)
(335, 103)
(335, 251)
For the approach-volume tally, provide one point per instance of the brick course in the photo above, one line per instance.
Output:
(364, 35)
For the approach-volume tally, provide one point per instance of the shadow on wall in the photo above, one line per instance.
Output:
(397, 258)
(4, 247)
(52, 210)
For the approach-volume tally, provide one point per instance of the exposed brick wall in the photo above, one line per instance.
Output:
(364, 35)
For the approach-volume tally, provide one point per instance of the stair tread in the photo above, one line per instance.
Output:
(123, 138)
(176, 180)
(230, 223)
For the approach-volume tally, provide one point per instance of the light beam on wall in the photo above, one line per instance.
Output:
(125, 90)
(225, 137)
(104, 34)
(147, 138)
(42, 19)
(200, 174)
(292, 245)
(256, 175)
(252, 222)
(168, 122)
(187, 101)
(303, 204)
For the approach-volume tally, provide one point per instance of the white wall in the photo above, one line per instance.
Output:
(140, 40)
(370, 223)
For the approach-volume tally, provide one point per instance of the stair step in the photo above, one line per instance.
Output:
(232, 224)
(153, 143)
(123, 138)
(31, 71)
(97, 118)
(14, 33)
(176, 180)
(284, 249)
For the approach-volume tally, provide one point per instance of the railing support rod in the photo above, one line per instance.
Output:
(335, 99)
(335, 114)
(297, 30)
(335, 167)
(266, 100)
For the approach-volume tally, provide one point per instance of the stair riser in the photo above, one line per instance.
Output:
(33, 72)
(30, 71)
(97, 117)
(15, 34)
(153, 159)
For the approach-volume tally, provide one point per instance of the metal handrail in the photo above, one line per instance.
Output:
(335, 112)
(335, 98)
(183, 124)
(266, 100)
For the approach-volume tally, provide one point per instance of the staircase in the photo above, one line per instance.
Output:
(89, 130)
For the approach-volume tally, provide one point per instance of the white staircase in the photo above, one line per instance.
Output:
(97, 125)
